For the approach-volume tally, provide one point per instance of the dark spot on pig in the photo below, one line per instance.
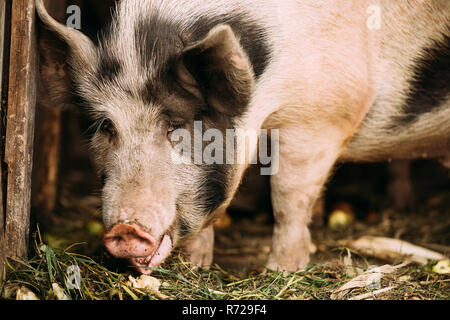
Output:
(157, 39)
(431, 85)
(253, 37)
(161, 40)
(108, 69)
(184, 227)
(213, 187)
(174, 101)
(148, 93)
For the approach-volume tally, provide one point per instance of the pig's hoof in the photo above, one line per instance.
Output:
(303, 264)
(288, 266)
(281, 267)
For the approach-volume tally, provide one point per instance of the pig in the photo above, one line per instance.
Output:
(340, 81)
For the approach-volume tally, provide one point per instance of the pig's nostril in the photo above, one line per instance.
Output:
(128, 241)
(117, 239)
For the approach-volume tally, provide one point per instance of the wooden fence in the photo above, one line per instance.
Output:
(29, 134)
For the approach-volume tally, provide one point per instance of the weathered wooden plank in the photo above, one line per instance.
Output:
(20, 127)
(2, 213)
(2, 31)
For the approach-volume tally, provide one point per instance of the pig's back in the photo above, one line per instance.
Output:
(411, 114)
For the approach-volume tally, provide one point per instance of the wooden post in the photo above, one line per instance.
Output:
(3, 78)
(20, 128)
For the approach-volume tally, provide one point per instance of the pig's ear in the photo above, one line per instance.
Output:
(219, 67)
(65, 53)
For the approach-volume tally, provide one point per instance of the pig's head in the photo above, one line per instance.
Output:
(145, 79)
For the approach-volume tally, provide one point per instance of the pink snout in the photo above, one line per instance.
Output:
(129, 241)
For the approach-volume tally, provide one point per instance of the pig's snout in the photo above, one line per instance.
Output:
(129, 241)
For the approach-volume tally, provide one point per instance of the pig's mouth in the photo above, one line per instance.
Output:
(144, 264)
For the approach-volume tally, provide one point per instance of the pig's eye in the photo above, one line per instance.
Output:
(107, 128)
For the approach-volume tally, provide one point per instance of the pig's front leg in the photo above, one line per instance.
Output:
(305, 162)
(200, 250)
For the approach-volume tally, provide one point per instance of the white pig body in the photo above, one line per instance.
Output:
(341, 80)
